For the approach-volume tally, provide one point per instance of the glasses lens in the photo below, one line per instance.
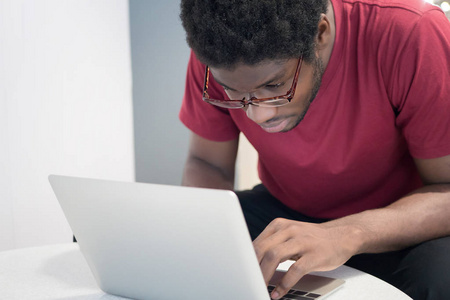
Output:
(271, 103)
(238, 104)
(225, 103)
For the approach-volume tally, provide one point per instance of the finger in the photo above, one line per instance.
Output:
(293, 275)
(270, 229)
(270, 237)
(272, 258)
(262, 247)
(278, 254)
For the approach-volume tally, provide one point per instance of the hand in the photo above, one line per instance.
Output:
(314, 247)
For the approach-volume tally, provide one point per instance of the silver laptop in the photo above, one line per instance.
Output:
(151, 241)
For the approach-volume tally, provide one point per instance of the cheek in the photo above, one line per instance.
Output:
(299, 102)
(304, 89)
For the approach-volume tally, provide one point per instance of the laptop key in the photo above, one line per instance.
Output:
(312, 295)
(295, 297)
(300, 293)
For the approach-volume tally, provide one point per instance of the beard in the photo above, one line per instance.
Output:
(318, 70)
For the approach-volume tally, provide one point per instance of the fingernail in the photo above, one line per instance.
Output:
(275, 295)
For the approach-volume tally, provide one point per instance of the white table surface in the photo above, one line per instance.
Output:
(60, 272)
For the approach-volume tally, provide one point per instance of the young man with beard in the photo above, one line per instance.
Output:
(347, 103)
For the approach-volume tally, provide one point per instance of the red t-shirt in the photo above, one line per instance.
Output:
(384, 98)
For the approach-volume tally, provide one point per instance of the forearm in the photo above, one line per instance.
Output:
(420, 216)
(199, 173)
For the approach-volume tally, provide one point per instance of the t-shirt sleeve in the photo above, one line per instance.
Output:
(206, 120)
(420, 89)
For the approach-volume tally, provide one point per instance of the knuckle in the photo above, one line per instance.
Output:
(278, 222)
(272, 254)
(296, 269)
(292, 229)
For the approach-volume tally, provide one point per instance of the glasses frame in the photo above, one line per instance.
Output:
(263, 102)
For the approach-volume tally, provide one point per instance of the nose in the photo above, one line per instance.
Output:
(259, 114)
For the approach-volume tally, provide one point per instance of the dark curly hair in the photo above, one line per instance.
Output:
(225, 32)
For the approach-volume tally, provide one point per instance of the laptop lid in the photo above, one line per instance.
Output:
(152, 241)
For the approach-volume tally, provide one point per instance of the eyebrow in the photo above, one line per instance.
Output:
(277, 76)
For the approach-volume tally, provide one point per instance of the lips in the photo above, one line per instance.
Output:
(274, 126)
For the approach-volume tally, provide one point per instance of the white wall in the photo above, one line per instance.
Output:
(65, 108)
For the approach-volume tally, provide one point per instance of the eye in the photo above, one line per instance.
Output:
(274, 86)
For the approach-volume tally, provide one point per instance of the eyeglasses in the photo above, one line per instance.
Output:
(262, 102)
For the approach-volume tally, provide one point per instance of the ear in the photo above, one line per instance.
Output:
(324, 37)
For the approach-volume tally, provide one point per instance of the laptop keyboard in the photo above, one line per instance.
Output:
(296, 294)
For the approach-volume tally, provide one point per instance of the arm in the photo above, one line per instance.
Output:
(420, 216)
(210, 164)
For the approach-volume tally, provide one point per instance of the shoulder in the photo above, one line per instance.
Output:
(398, 7)
(384, 17)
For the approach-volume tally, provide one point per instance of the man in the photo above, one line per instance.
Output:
(348, 105)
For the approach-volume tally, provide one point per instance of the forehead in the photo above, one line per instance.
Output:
(243, 77)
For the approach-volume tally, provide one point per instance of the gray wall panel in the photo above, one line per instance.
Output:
(159, 58)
